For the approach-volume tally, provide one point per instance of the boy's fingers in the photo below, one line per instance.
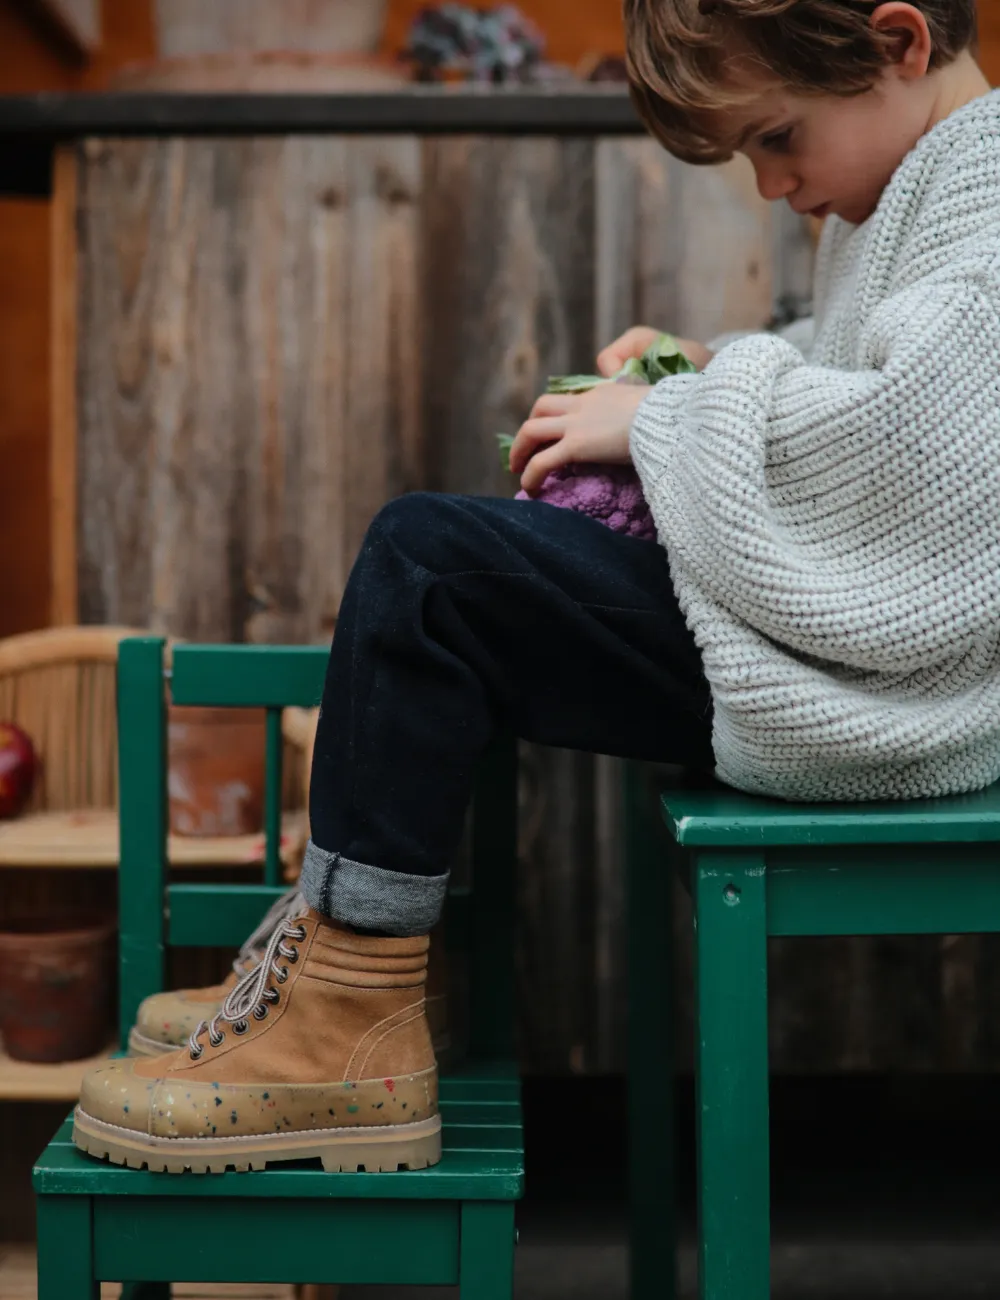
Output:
(555, 404)
(633, 343)
(531, 435)
(541, 466)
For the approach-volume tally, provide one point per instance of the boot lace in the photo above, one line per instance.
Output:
(284, 908)
(253, 995)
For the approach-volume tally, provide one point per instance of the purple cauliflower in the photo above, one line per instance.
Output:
(611, 494)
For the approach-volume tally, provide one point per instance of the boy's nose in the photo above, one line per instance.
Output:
(775, 183)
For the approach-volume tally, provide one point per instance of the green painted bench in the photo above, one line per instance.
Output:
(451, 1224)
(761, 868)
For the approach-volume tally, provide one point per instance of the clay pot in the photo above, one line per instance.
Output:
(216, 770)
(57, 976)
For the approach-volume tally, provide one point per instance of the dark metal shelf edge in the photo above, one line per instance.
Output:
(573, 112)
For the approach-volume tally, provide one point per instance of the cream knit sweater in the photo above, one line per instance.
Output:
(833, 519)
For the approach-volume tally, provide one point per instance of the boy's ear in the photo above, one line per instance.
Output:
(909, 38)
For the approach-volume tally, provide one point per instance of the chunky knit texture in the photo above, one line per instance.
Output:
(833, 518)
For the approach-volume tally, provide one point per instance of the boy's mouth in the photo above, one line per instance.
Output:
(823, 210)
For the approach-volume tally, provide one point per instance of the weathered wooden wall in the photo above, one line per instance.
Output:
(276, 336)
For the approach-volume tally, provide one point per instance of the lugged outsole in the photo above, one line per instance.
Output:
(384, 1150)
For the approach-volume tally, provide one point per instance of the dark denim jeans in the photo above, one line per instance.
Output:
(463, 614)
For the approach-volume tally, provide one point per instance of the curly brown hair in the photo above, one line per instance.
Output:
(677, 51)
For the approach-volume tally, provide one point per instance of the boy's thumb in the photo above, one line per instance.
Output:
(608, 362)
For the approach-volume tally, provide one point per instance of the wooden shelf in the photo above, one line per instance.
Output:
(89, 838)
(27, 1081)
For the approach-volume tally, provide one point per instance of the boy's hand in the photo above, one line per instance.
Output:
(634, 342)
(589, 427)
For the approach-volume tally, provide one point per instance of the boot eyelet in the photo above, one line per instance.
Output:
(282, 974)
(300, 933)
(216, 1041)
(293, 956)
(260, 1012)
(196, 1056)
(240, 1027)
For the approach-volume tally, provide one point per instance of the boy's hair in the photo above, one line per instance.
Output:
(676, 52)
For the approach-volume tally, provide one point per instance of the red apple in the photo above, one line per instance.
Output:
(17, 769)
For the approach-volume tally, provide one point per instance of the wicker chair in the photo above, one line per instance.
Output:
(59, 686)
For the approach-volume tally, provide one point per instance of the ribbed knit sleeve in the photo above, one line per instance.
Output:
(846, 514)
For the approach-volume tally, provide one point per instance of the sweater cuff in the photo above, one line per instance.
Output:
(656, 427)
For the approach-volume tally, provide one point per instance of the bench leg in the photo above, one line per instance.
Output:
(649, 889)
(65, 1249)
(732, 1076)
(487, 1251)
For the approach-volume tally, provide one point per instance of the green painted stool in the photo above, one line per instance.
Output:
(761, 868)
(451, 1224)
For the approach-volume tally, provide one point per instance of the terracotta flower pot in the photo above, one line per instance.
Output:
(216, 770)
(57, 976)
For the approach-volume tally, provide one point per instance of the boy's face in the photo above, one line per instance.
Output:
(826, 154)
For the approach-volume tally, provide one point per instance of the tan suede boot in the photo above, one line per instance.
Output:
(322, 1050)
(166, 1020)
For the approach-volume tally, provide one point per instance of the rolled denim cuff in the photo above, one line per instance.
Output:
(371, 898)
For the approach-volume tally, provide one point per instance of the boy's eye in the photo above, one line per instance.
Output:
(777, 141)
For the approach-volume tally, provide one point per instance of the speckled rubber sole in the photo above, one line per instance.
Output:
(384, 1149)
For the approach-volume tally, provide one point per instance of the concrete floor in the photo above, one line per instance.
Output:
(582, 1259)
(882, 1188)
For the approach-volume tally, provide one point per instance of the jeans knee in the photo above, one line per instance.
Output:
(414, 525)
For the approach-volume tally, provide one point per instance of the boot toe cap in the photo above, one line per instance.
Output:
(115, 1094)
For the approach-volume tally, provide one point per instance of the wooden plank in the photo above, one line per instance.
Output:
(635, 257)
(722, 242)
(250, 320)
(333, 322)
(508, 248)
(64, 603)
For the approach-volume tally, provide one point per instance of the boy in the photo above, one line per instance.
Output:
(828, 519)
